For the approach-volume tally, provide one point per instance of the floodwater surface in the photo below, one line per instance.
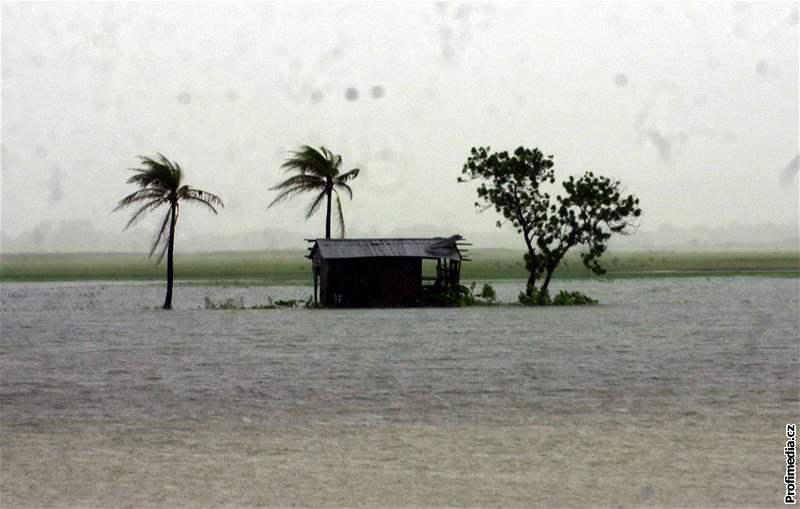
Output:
(670, 392)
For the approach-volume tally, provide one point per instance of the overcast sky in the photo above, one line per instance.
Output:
(693, 106)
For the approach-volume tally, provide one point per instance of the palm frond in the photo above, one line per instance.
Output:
(166, 240)
(162, 253)
(200, 201)
(314, 206)
(341, 186)
(162, 174)
(317, 172)
(291, 192)
(300, 180)
(308, 160)
(339, 215)
(350, 175)
(336, 163)
(177, 173)
(147, 207)
(160, 235)
(198, 196)
(137, 196)
(159, 180)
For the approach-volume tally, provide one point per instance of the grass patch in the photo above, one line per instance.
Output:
(291, 267)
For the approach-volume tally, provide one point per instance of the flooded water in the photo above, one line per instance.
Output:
(670, 392)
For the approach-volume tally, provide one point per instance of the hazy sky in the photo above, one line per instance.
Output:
(693, 106)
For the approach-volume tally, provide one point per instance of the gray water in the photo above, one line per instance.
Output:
(670, 393)
(654, 349)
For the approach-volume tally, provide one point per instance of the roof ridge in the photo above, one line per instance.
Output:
(383, 238)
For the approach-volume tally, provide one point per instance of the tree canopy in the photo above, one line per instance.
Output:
(589, 211)
(316, 171)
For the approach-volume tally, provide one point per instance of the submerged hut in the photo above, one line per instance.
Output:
(383, 272)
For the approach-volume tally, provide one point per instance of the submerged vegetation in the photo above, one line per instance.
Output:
(460, 296)
(451, 297)
(233, 303)
(541, 297)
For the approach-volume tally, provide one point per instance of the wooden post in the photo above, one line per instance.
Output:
(315, 270)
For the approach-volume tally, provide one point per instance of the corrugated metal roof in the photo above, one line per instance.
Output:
(436, 247)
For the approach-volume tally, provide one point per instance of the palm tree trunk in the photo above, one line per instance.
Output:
(328, 216)
(170, 248)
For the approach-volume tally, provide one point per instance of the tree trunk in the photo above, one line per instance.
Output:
(551, 268)
(532, 271)
(170, 248)
(328, 216)
(531, 284)
(546, 283)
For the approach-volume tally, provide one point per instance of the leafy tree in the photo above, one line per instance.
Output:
(488, 293)
(589, 212)
(161, 183)
(317, 171)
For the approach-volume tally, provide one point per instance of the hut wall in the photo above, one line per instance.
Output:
(370, 282)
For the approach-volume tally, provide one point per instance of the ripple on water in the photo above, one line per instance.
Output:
(637, 354)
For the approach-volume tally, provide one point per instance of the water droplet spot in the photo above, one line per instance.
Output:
(351, 94)
(184, 98)
(386, 154)
(38, 60)
(621, 80)
(377, 91)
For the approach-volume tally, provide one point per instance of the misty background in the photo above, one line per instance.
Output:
(693, 106)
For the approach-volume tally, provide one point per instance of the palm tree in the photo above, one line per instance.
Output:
(317, 172)
(161, 183)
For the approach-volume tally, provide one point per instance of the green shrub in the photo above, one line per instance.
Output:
(564, 298)
(537, 298)
(488, 294)
(458, 296)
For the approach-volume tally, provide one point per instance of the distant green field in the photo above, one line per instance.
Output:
(291, 266)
